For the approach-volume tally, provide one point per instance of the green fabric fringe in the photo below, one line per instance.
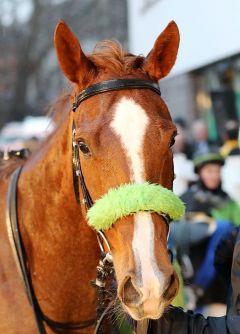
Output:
(129, 199)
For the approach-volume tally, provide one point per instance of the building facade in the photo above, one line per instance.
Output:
(205, 81)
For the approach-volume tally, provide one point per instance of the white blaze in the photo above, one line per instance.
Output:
(130, 123)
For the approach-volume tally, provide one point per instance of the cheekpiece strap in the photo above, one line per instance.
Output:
(78, 178)
(75, 164)
(116, 84)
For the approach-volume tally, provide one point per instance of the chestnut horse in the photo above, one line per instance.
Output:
(124, 136)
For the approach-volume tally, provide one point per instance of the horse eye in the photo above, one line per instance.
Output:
(84, 148)
(172, 141)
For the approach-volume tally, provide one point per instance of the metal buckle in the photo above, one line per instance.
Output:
(100, 237)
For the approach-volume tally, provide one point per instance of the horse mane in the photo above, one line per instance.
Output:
(107, 55)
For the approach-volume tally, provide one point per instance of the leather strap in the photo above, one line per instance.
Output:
(75, 165)
(78, 177)
(21, 256)
(116, 84)
(68, 326)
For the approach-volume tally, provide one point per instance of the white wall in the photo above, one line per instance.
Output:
(210, 29)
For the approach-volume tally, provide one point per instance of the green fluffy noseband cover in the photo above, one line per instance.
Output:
(129, 199)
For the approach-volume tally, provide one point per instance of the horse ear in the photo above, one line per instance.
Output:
(73, 62)
(162, 57)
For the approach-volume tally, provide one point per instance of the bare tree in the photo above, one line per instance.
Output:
(29, 76)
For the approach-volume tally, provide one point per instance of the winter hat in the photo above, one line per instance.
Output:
(207, 158)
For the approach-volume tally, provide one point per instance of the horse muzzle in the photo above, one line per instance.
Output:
(149, 300)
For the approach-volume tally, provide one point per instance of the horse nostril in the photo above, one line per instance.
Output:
(171, 288)
(129, 294)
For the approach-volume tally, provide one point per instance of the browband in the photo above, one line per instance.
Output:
(116, 84)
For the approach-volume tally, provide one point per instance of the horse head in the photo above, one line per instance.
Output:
(125, 138)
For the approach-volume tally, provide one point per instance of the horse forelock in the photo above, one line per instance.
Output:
(110, 55)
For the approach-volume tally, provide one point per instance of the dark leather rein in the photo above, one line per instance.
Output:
(78, 179)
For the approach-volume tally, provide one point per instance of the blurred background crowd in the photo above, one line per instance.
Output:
(203, 95)
(207, 179)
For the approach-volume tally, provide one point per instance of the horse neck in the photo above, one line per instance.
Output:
(55, 234)
(48, 178)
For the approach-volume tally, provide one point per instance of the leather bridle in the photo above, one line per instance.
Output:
(99, 88)
(78, 181)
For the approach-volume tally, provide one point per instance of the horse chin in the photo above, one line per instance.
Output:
(146, 311)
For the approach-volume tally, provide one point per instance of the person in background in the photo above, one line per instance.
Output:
(206, 194)
(183, 167)
(200, 144)
(227, 262)
(209, 212)
(175, 320)
(182, 143)
(230, 146)
(231, 182)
